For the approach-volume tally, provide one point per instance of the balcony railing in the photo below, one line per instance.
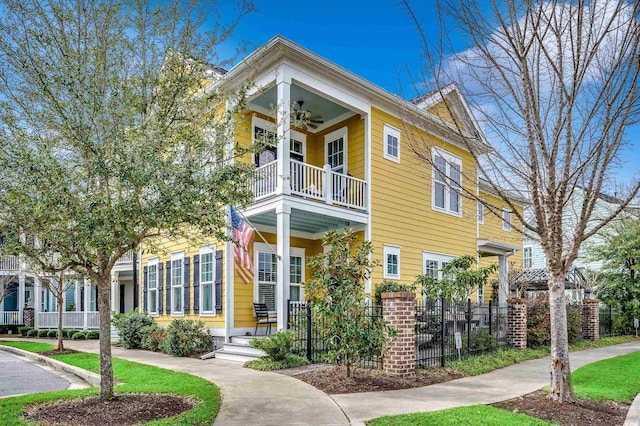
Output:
(74, 320)
(126, 259)
(311, 182)
(9, 263)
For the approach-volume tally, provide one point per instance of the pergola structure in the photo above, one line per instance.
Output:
(536, 279)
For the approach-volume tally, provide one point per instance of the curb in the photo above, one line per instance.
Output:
(89, 377)
(633, 415)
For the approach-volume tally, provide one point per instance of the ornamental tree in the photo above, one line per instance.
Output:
(113, 131)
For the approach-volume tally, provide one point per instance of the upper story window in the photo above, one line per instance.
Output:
(177, 283)
(447, 181)
(506, 220)
(392, 262)
(207, 277)
(527, 257)
(480, 213)
(152, 286)
(391, 143)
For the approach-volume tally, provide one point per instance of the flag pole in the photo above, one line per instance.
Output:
(259, 234)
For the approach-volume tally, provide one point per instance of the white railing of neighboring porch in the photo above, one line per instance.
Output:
(9, 263)
(69, 320)
(315, 183)
(126, 259)
(10, 318)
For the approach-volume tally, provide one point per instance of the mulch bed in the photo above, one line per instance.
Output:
(121, 410)
(57, 352)
(582, 413)
(334, 380)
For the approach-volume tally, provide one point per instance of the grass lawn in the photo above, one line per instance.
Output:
(135, 378)
(480, 415)
(616, 379)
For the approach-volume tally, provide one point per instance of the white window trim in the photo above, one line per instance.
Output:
(337, 134)
(300, 137)
(208, 249)
(440, 258)
(264, 248)
(506, 224)
(449, 159)
(393, 250)
(177, 256)
(299, 252)
(390, 131)
(152, 263)
(524, 250)
(480, 213)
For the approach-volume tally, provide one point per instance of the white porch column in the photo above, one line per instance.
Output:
(283, 127)
(37, 303)
(114, 291)
(87, 301)
(283, 215)
(21, 300)
(503, 280)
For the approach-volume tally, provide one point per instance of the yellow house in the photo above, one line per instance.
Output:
(342, 160)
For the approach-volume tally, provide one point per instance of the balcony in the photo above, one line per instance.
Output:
(9, 263)
(313, 183)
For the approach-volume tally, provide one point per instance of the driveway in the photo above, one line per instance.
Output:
(19, 376)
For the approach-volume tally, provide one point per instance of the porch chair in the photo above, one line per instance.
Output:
(263, 317)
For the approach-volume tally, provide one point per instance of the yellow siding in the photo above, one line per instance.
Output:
(402, 214)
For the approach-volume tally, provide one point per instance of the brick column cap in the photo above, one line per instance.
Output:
(399, 295)
(516, 301)
(590, 301)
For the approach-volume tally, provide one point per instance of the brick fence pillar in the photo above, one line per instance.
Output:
(399, 309)
(590, 319)
(27, 317)
(517, 323)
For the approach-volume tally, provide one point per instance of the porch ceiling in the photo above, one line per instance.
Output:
(304, 221)
(318, 105)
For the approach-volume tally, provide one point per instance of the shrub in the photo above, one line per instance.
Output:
(267, 364)
(153, 336)
(66, 333)
(539, 322)
(130, 328)
(42, 333)
(4, 329)
(277, 346)
(186, 337)
(32, 333)
(481, 341)
(93, 334)
(52, 333)
(388, 286)
(24, 330)
(79, 335)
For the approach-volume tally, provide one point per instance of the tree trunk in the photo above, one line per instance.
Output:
(561, 387)
(60, 307)
(106, 368)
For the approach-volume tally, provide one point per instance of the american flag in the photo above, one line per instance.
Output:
(243, 234)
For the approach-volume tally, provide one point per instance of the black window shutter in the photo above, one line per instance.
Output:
(168, 284)
(186, 303)
(196, 283)
(146, 287)
(160, 287)
(218, 281)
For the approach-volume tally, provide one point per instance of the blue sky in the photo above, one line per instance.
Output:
(374, 39)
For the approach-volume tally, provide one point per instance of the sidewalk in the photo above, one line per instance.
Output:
(252, 397)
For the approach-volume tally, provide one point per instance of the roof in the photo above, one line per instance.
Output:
(536, 279)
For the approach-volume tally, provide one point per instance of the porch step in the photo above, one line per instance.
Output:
(239, 350)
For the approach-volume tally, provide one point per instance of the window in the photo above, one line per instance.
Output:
(207, 277)
(447, 180)
(527, 257)
(152, 285)
(296, 274)
(392, 262)
(480, 213)
(506, 220)
(391, 143)
(336, 150)
(176, 282)
(433, 264)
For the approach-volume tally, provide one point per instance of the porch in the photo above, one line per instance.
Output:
(88, 320)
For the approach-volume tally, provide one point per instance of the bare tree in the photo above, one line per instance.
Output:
(554, 86)
(7, 282)
(57, 283)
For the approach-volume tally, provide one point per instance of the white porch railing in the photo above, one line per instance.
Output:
(73, 320)
(126, 259)
(10, 318)
(311, 182)
(9, 263)
(265, 180)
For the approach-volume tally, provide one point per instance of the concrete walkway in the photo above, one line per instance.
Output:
(251, 397)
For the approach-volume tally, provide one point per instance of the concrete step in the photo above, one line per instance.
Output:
(231, 355)
(244, 340)
(242, 348)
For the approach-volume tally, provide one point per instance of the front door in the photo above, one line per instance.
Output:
(121, 299)
(336, 157)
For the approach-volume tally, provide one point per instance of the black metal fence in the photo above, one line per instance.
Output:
(607, 314)
(311, 342)
(446, 330)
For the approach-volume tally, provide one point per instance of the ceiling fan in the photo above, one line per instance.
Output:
(303, 117)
